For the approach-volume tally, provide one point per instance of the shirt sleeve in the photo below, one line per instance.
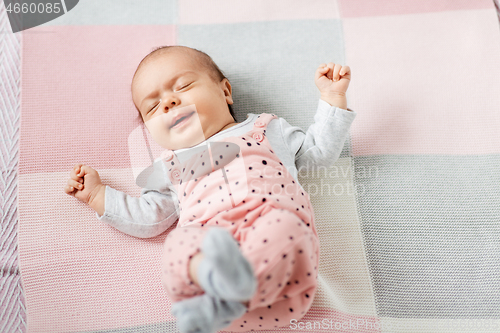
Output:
(324, 140)
(147, 216)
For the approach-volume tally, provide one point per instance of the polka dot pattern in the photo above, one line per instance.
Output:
(240, 184)
(282, 251)
(180, 246)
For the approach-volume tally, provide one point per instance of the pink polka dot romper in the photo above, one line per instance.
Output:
(241, 185)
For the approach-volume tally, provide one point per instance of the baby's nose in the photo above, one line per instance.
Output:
(171, 102)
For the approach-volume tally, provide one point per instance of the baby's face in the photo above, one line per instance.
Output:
(174, 85)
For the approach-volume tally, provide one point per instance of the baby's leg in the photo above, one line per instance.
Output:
(224, 275)
(284, 253)
(180, 246)
(222, 271)
(206, 314)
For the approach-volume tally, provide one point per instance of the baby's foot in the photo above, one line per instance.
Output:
(224, 272)
(206, 314)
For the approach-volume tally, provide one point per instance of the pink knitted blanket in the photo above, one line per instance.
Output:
(406, 244)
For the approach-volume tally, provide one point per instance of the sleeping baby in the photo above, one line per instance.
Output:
(244, 255)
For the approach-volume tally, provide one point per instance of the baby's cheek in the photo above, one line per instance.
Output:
(159, 130)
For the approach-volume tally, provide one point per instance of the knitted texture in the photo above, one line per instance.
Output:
(12, 312)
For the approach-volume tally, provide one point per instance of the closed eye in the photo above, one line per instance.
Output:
(154, 107)
(184, 86)
(180, 88)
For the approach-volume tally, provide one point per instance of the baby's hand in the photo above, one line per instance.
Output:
(332, 81)
(84, 183)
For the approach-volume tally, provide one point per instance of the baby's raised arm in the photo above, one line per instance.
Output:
(85, 185)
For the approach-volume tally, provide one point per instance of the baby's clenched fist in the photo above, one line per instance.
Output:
(332, 81)
(84, 183)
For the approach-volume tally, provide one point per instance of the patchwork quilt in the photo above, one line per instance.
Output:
(408, 216)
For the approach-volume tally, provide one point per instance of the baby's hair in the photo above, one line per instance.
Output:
(203, 58)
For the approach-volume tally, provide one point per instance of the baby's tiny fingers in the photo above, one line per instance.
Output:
(321, 71)
(331, 67)
(336, 72)
(69, 189)
(75, 171)
(84, 170)
(75, 185)
(79, 169)
(345, 70)
(76, 178)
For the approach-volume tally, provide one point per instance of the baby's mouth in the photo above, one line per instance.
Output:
(180, 120)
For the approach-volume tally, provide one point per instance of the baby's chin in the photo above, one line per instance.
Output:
(175, 141)
(189, 135)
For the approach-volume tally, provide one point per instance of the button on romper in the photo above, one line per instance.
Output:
(240, 184)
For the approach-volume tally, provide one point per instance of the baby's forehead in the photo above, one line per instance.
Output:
(177, 57)
(181, 60)
(178, 60)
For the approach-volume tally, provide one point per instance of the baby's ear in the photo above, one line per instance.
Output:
(226, 87)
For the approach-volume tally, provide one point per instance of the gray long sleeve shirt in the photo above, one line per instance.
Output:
(157, 209)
